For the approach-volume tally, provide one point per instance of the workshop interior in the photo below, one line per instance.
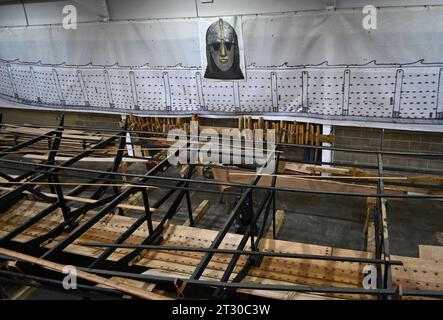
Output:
(247, 150)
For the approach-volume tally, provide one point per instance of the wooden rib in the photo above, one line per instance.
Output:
(279, 220)
(295, 182)
(430, 252)
(416, 273)
(85, 159)
(75, 184)
(189, 259)
(86, 200)
(42, 131)
(242, 173)
(115, 284)
(198, 213)
(316, 169)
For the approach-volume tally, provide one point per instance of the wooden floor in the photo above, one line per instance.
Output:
(423, 273)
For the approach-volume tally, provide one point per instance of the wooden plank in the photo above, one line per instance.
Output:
(299, 167)
(355, 172)
(135, 283)
(132, 202)
(86, 200)
(370, 240)
(183, 170)
(38, 131)
(294, 182)
(274, 268)
(115, 284)
(279, 220)
(22, 293)
(430, 252)
(198, 213)
(317, 141)
(423, 274)
(85, 159)
(370, 207)
(280, 295)
(317, 169)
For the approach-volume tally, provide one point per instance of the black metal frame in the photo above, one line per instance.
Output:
(193, 286)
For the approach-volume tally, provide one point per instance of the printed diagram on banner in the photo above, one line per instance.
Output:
(149, 68)
(221, 48)
(411, 93)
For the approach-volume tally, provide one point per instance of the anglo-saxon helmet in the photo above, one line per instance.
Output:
(222, 52)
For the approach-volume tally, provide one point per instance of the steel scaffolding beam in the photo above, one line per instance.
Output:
(177, 191)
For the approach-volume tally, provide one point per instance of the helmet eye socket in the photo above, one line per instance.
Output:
(216, 46)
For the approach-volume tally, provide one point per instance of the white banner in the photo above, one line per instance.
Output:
(317, 65)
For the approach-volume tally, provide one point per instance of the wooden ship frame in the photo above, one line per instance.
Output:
(121, 257)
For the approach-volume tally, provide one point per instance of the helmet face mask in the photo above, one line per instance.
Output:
(222, 52)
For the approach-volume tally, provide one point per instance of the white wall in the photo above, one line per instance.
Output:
(50, 12)
(285, 54)
(148, 9)
(12, 15)
(236, 7)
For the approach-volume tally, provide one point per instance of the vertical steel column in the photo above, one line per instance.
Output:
(100, 214)
(97, 262)
(118, 158)
(53, 177)
(252, 222)
(156, 235)
(147, 210)
(6, 200)
(188, 203)
(221, 234)
(252, 259)
(381, 227)
(274, 193)
(387, 280)
(378, 241)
